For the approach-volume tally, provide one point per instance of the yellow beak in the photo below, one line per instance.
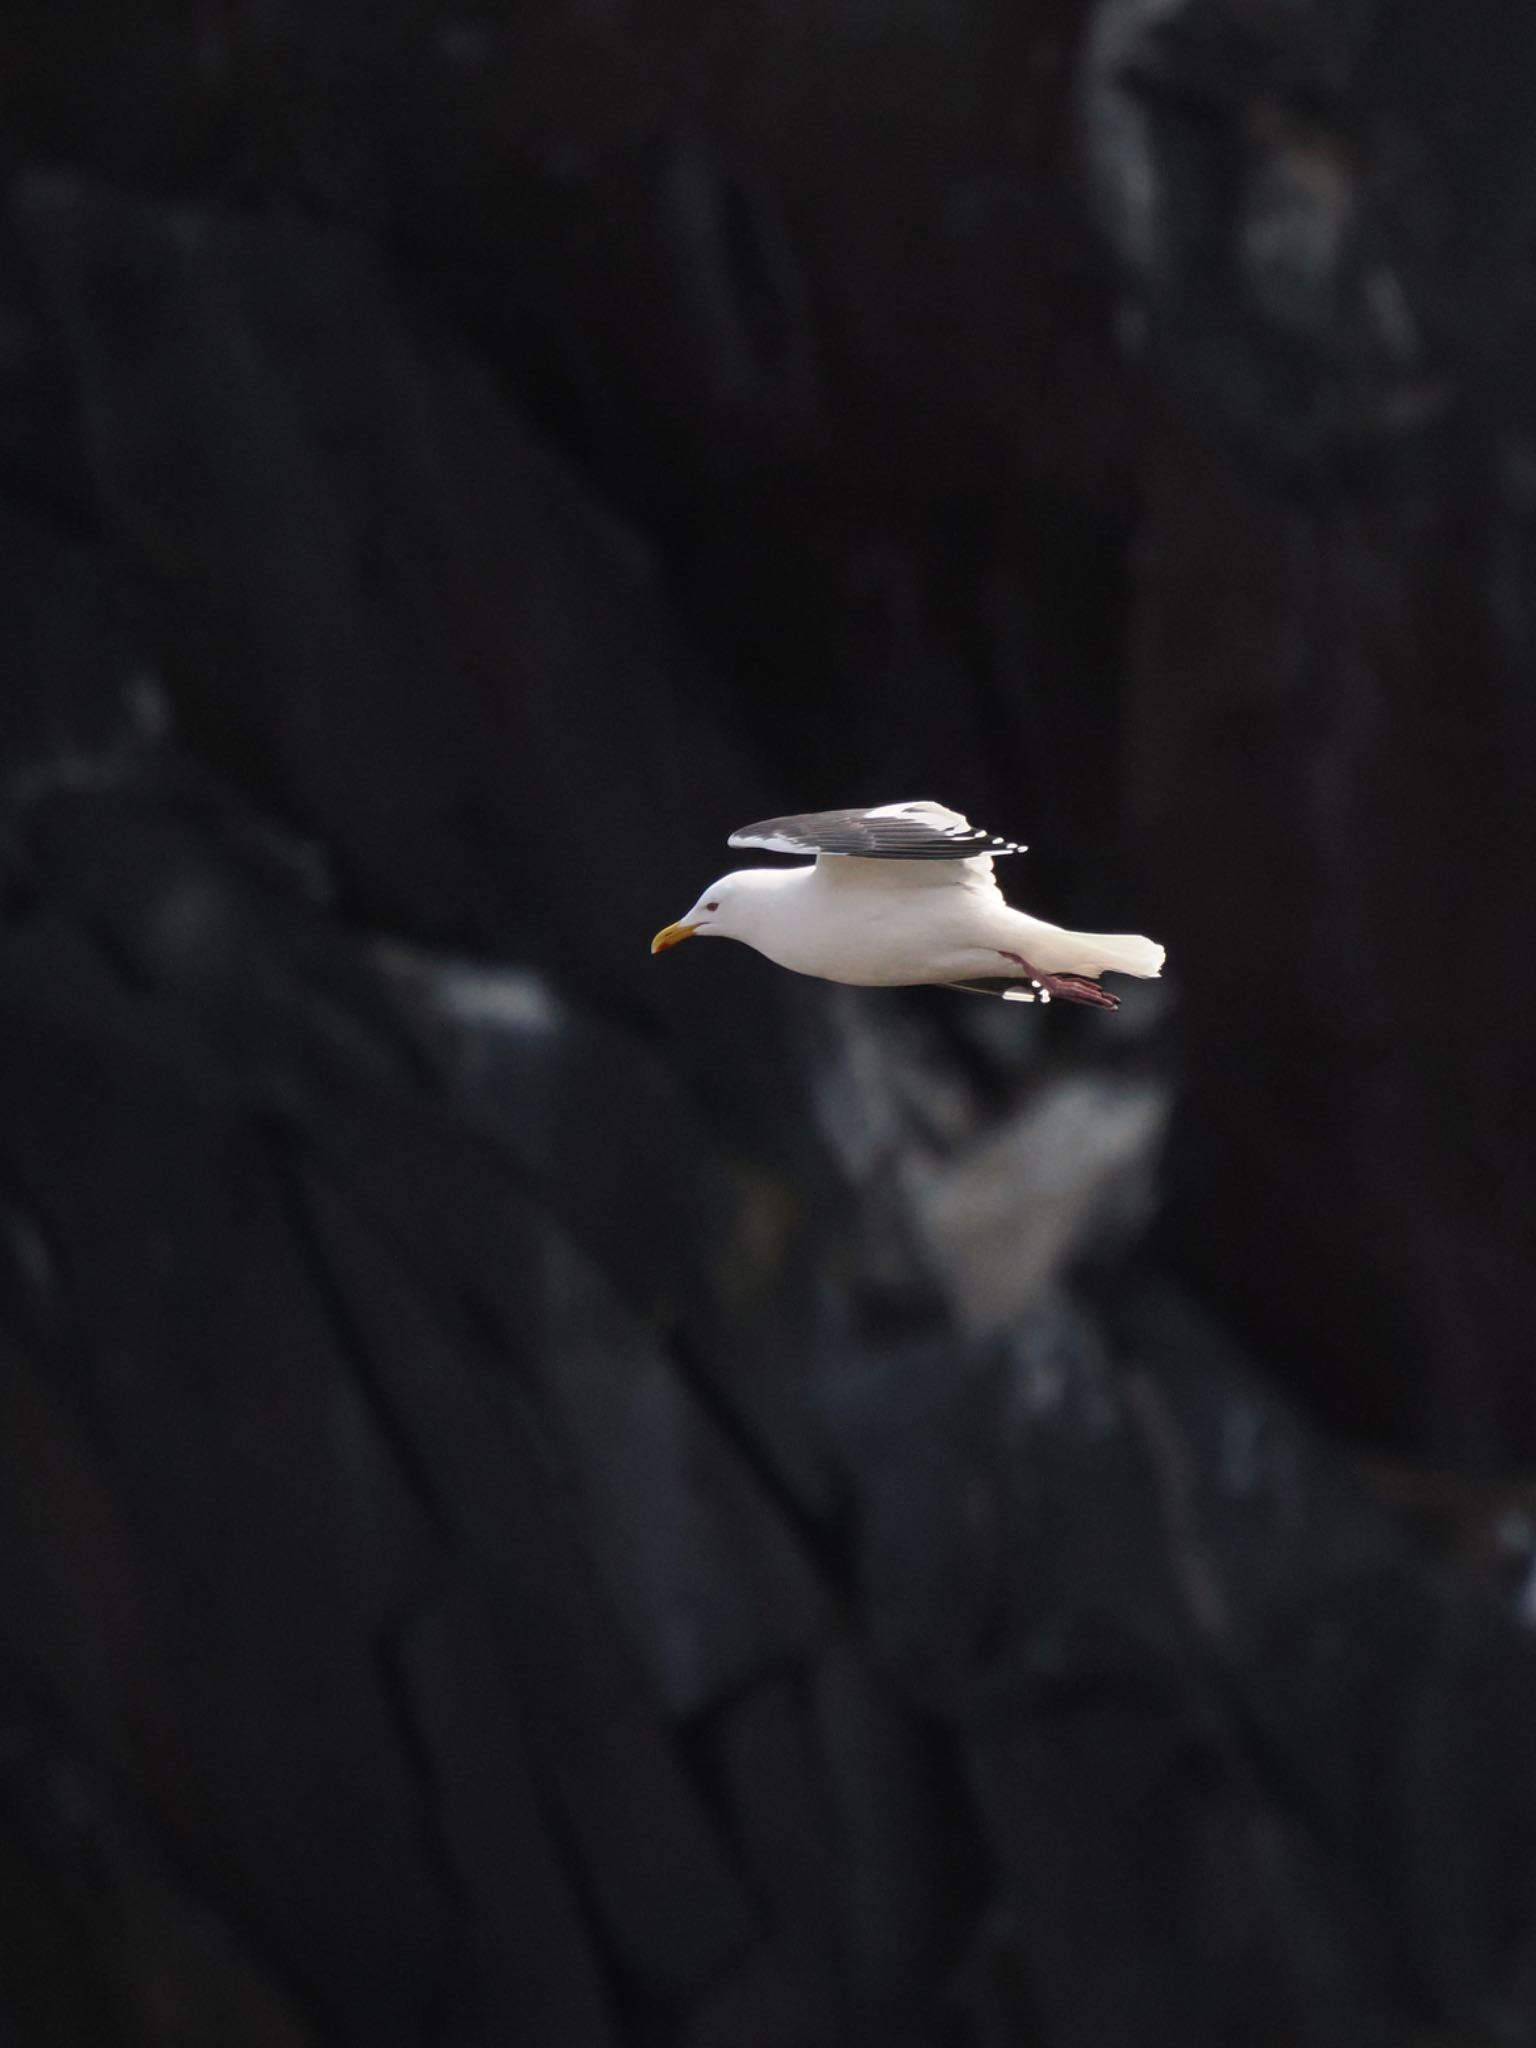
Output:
(672, 935)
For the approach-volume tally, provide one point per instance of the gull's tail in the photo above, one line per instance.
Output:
(1120, 953)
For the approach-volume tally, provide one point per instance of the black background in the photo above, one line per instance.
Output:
(556, 1497)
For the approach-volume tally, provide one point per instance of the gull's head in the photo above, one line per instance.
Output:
(728, 909)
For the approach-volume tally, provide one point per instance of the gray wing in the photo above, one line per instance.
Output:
(912, 831)
(1010, 991)
(1067, 988)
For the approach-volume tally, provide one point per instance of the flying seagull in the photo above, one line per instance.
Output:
(900, 894)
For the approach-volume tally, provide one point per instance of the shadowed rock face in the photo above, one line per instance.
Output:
(556, 1497)
(1330, 253)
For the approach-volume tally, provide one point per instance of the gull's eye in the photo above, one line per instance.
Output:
(711, 906)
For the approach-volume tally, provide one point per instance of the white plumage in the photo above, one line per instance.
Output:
(896, 895)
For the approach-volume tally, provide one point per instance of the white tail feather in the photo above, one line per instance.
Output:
(1122, 953)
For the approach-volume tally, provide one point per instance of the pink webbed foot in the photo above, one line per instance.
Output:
(1067, 988)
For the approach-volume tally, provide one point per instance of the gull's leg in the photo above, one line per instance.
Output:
(1067, 988)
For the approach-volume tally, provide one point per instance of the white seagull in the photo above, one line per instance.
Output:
(900, 894)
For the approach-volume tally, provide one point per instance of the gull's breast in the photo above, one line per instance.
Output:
(871, 933)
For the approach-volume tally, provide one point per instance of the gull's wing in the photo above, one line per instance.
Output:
(1017, 991)
(1068, 988)
(913, 831)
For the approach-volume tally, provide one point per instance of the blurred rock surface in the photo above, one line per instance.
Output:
(560, 1498)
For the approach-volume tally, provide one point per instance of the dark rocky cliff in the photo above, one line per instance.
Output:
(553, 1497)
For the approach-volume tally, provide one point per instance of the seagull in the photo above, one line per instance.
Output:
(904, 894)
